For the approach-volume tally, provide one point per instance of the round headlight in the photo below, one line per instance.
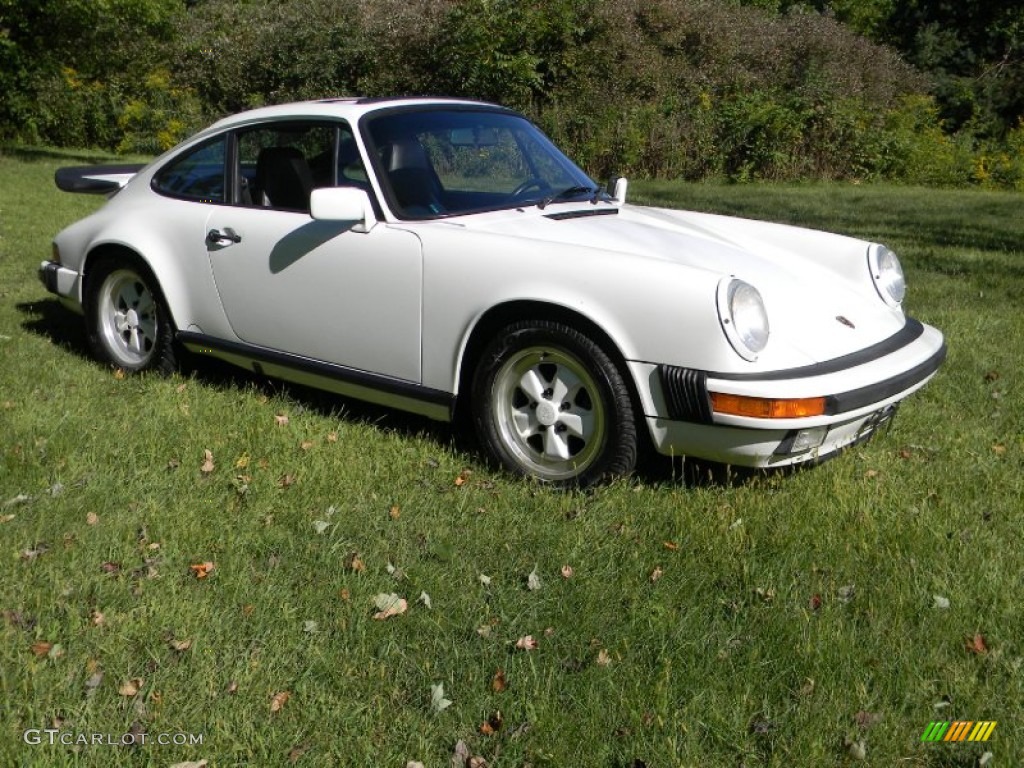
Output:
(887, 275)
(743, 317)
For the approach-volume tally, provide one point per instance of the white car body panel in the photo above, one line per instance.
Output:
(389, 314)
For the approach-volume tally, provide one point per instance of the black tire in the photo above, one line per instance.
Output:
(127, 322)
(548, 402)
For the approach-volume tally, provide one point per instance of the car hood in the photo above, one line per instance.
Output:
(808, 279)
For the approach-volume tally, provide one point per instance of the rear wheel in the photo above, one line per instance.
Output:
(550, 403)
(128, 324)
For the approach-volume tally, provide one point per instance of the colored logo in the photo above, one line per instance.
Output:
(959, 730)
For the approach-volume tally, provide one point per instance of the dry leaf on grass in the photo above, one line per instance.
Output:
(281, 420)
(131, 687)
(492, 724)
(567, 571)
(498, 682)
(526, 643)
(41, 648)
(533, 580)
(92, 518)
(207, 466)
(604, 659)
(976, 644)
(389, 605)
(278, 700)
(202, 570)
(438, 703)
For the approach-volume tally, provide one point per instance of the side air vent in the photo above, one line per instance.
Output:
(686, 393)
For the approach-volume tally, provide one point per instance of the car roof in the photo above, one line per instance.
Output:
(350, 108)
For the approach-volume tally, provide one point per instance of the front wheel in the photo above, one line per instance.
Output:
(551, 404)
(127, 321)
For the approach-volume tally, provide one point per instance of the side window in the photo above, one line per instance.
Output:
(279, 164)
(197, 175)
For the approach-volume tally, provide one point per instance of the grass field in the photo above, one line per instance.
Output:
(821, 618)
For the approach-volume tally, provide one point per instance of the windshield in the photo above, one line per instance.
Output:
(446, 161)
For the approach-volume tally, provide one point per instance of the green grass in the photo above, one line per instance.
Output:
(793, 612)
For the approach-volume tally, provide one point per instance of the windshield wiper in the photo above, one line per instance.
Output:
(565, 194)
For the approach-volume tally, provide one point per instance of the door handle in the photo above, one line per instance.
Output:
(220, 237)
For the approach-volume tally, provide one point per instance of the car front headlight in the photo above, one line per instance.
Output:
(887, 275)
(743, 317)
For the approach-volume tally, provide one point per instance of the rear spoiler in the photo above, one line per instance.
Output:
(95, 178)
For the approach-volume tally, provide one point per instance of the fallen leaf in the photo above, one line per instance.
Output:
(232, 688)
(320, 526)
(41, 548)
(191, 763)
(207, 466)
(533, 580)
(904, 453)
(484, 579)
(567, 571)
(765, 595)
(815, 602)
(438, 703)
(305, 445)
(278, 700)
(41, 648)
(281, 419)
(462, 477)
(941, 602)
(110, 567)
(604, 659)
(394, 512)
(847, 593)
(498, 682)
(807, 688)
(492, 724)
(286, 480)
(202, 570)
(976, 644)
(857, 749)
(332, 437)
(96, 618)
(476, 762)
(526, 643)
(992, 376)
(999, 449)
(180, 645)
(425, 599)
(460, 755)
(173, 463)
(119, 373)
(414, 764)
(389, 605)
(344, 594)
(92, 518)
(671, 546)
(353, 562)
(656, 574)
(242, 462)
(310, 627)
(6, 518)
(93, 682)
(131, 687)
(871, 474)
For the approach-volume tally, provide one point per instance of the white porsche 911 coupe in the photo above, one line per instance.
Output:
(421, 253)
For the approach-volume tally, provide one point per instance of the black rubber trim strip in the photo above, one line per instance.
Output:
(310, 365)
(581, 214)
(908, 334)
(48, 276)
(873, 393)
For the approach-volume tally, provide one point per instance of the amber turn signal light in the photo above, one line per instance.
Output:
(766, 408)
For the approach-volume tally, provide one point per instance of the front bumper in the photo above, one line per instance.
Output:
(861, 392)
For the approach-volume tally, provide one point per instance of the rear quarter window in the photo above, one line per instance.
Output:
(198, 175)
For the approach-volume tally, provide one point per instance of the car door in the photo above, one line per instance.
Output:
(313, 288)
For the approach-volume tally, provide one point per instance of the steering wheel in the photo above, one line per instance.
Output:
(534, 181)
